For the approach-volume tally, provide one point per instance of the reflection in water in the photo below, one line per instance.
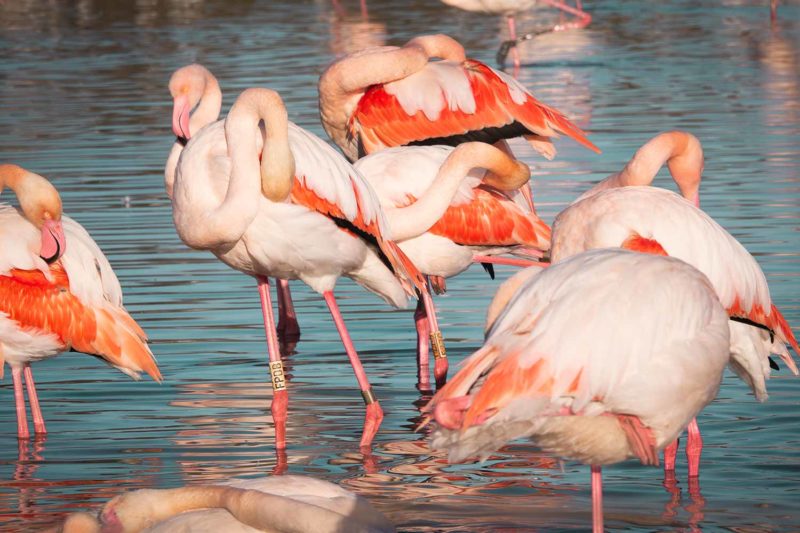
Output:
(84, 100)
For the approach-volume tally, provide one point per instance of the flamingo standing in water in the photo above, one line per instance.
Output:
(599, 358)
(481, 221)
(622, 211)
(197, 101)
(390, 96)
(57, 293)
(303, 213)
(279, 503)
(510, 8)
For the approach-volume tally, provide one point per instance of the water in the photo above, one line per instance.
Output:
(84, 101)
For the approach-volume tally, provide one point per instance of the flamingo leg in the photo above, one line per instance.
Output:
(374, 416)
(694, 446)
(287, 318)
(512, 30)
(670, 453)
(423, 334)
(364, 13)
(280, 396)
(597, 499)
(440, 364)
(582, 17)
(773, 11)
(506, 261)
(33, 398)
(19, 401)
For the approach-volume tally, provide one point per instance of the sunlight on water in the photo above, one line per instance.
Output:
(84, 101)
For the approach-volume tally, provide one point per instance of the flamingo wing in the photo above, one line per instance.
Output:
(326, 183)
(451, 103)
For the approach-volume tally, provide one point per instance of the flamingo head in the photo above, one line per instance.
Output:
(186, 86)
(132, 511)
(41, 205)
(686, 165)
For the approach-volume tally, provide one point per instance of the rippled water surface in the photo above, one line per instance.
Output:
(83, 100)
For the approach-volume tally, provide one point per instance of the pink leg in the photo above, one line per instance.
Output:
(670, 453)
(773, 11)
(364, 13)
(582, 17)
(597, 499)
(287, 318)
(694, 446)
(280, 397)
(33, 398)
(423, 336)
(374, 416)
(512, 30)
(437, 343)
(19, 400)
(506, 261)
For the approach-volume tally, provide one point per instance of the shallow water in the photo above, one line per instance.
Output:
(84, 101)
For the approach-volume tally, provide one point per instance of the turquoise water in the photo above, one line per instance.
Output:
(83, 100)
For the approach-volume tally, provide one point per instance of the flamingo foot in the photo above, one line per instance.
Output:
(372, 421)
(440, 367)
(670, 453)
(19, 402)
(694, 447)
(438, 284)
(280, 404)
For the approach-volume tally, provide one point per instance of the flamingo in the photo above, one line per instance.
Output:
(622, 212)
(602, 357)
(197, 102)
(510, 8)
(306, 215)
(390, 96)
(480, 222)
(280, 503)
(57, 293)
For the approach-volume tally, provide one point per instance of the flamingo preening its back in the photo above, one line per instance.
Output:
(283, 203)
(57, 293)
(599, 358)
(622, 212)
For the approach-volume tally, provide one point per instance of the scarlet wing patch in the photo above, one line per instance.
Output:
(637, 243)
(380, 121)
(35, 302)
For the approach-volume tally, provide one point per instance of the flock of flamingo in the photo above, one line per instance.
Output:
(425, 186)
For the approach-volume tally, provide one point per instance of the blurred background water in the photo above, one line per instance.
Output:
(83, 100)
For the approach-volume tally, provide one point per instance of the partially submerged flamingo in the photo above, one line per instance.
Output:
(623, 212)
(197, 102)
(57, 293)
(599, 358)
(301, 213)
(482, 219)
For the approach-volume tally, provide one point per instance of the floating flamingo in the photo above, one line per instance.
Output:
(57, 293)
(510, 8)
(599, 358)
(280, 503)
(389, 96)
(654, 220)
(197, 101)
(304, 214)
(480, 222)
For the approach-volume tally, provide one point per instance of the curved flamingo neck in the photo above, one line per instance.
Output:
(210, 104)
(504, 173)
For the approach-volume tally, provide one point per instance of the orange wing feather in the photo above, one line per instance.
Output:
(379, 120)
(35, 302)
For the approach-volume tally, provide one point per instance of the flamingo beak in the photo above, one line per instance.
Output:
(180, 117)
(54, 242)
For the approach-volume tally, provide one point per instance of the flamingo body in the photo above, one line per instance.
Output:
(655, 220)
(503, 7)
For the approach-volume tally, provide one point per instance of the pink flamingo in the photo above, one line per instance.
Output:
(389, 96)
(622, 211)
(482, 220)
(510, 8)
(303, 213)
(55, 297)
(197, 102)
(577, 361)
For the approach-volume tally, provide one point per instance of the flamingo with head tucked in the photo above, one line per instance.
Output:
(601, 357)
(482, 220)
(620, 212)
(197, 101)
(57, 293)
(302, 212)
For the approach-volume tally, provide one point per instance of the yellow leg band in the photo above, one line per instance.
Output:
(437, 343)
(369, 396)
(278, 377)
